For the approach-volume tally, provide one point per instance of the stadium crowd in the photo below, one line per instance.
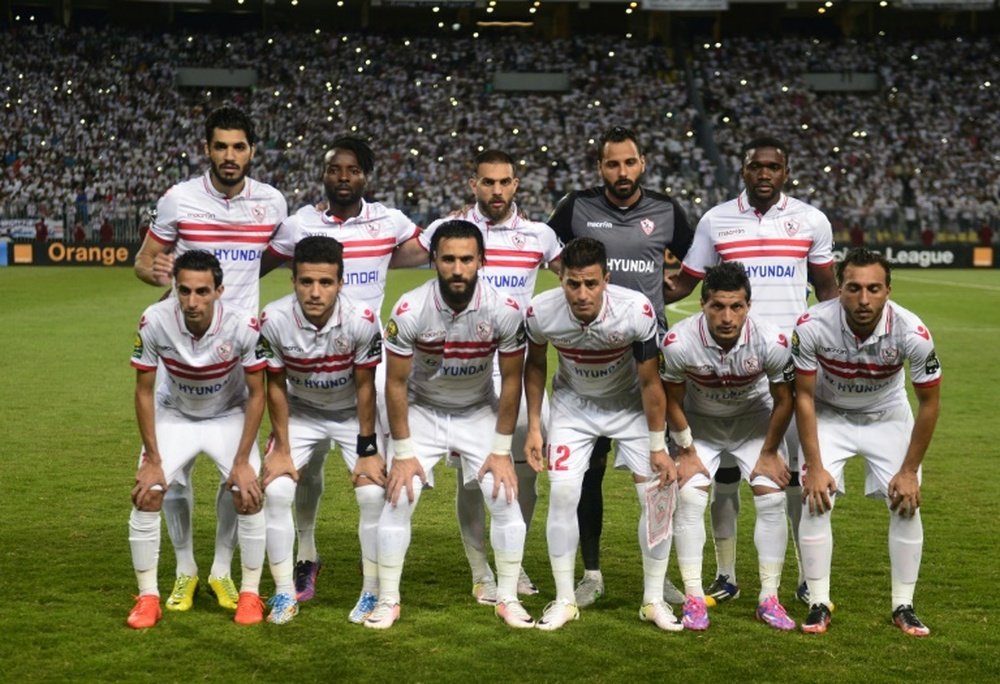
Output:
(95, 124)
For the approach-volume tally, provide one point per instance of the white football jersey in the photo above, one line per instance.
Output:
(515, 250)
(726, 383)
(596, 359)
(864, 375)
(194, 215)
(775, 248)
(204, 375)
(319, 363)
(453, 352)
(368, 239)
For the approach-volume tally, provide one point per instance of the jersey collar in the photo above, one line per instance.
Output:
(744, 206)
(331, 220)
(303, 323)
(612, 205)
(511, 223)
(246, 192)
(474, 303)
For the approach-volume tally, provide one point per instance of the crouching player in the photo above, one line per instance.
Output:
(851, 399)
(606, 385)
(441, 339)
(322, 349)
(211, 401)
(728, 381)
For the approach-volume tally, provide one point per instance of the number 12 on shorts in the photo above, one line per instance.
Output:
(561, 452)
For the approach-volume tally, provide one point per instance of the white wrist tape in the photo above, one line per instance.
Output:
(501, 444)
(683, 438)
(402, 449)
(658, 440)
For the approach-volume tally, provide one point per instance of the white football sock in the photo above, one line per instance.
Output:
(689, 537)
(816, 543)
(507, 533)
(371, 500)
(654, 559)
(393, 541)
(562, 533)
(278, 498)
(144, 540)
(770, 536)
(906, 545)
(252, 531)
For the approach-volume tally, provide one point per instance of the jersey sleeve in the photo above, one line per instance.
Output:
(403, 228)
(145, 355)
(821, 249)
(561, 220)
(401, 330)
(551, 245)
(778, 364)
(424, 239)
(285, 237)
(680, 244)
(164, 228)
(672, 364)
(269, 342)
(249, 336)
(804, 345)
(925, 368)
(368, 350)
(510, 328)
(701, 253)
(532, 329)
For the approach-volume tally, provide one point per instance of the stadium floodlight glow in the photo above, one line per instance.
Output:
(544, 148)
(725, 119)
(718, 46)
(532, 10)
(515, 131)
(690, 134)
(822, 10)
(805, 127)
(302, 67)
(883, 3)
(784, 89)
(190, 39)
(836, 149)
(743, 81)
(435, 9)
(270, 41)
(295, 2)
(914, 57)
(415, 152)
(611, 53)
(795, 182)
(316, 32)
(987, 84)
(277, 93)
(406, 43)
(828, 4)
(480, 148)
(628, 10)
(489, 10)
(827, 168)
(707, 46)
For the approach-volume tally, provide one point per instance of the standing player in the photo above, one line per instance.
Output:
(371, 234)
(515, 249)
(211, 400)
(606, 385)
(441, 340)
(321, 348)
(851, 399)
(233, 216)
(640, 228)
(783, 243)
(728, 380)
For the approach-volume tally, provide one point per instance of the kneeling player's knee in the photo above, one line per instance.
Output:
(280, 492)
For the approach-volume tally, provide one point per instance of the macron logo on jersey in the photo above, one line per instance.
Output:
(670, 339)
(647, 310)
(402, 308)
(368, 316)
(783, 341)
(802, 319)
(923, 332)
(512, 304)
(600, 224)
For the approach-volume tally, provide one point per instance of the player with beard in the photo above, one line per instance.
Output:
(370, 233)
(515, 249)
(640, 229)
(232, 216)
(784, 244)
(441, 341)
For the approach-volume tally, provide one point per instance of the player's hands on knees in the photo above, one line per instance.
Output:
(502, 467)
(534, 450)
(688, 465)
(276, 464)
(904, 493)
(771, 465)
(664, 468)
(369, 470)
(144, 497)
(247, 493)
(401, 475)
(163, 268)
(818, 488)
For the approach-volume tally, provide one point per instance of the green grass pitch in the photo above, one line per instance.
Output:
(69, 445)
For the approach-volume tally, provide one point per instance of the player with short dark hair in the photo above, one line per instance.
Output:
(641, 229)
(211, 400)
(851, 400)
(606, 385)
(728, 381)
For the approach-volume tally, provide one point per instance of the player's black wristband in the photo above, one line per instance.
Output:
(367, 446)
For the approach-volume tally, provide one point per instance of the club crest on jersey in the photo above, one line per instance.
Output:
(342, 345)
(484, 329)
(373, 228)
(224, 351)
(259, 212)
(752, 365)
(647, 226)
(890, 355)
(615, 337)
(791, 226)
(518, 239)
